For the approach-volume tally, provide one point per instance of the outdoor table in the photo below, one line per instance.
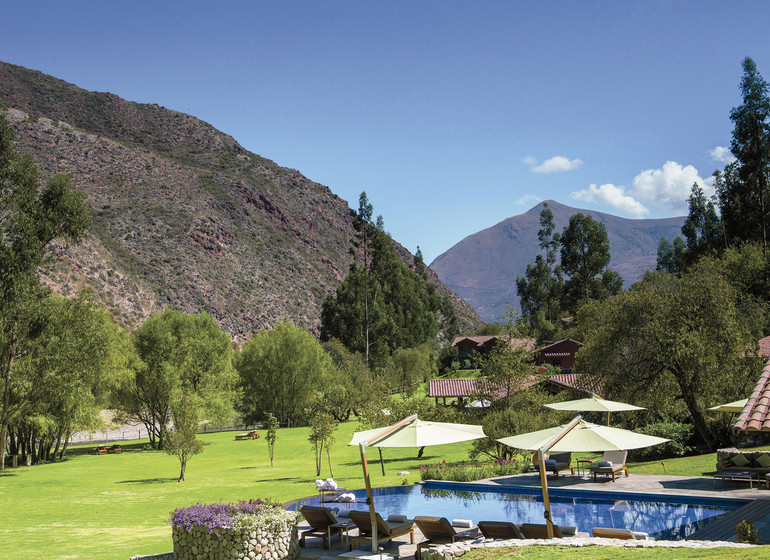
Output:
(342, 527)
(738, 475)
(583, 464)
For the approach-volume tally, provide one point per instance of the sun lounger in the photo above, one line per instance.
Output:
(499, 530)
(101, 450)
(537, 531)
(610, 533)
(559, 462)
(248, 435)
(623, 534)
(320, 520)
(438, 530)
(386, 530)
(612, 463)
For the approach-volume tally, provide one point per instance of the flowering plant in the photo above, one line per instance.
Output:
(214, 517)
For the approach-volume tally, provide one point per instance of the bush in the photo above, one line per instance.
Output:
(677, 432)
(745, 532)
(469, 472)
(214, 517)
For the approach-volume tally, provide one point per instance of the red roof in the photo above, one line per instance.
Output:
(756, 415)
(528, 343)
(467, 387)
(451, 387)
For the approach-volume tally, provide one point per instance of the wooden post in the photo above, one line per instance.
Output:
(546, 498)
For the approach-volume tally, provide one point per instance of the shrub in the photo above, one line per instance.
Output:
(469, 472)
(678, 433)
(214, 517)
(745, 532)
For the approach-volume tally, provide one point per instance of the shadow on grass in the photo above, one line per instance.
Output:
(147, 481)
(6, 473)
(375, 460)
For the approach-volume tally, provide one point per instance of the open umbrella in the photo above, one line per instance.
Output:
(577, 436)
(736, 406)
(409, 432)
(594, 404)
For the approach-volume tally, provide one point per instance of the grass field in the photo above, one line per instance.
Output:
(116, 506)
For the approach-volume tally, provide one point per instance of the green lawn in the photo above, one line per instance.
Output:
(116, 506)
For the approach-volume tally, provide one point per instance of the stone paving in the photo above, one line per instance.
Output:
(653, 484)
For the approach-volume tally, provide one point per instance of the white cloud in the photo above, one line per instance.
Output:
(665, 189)
(721, 154)
(613, 196)
(556, 164)
(528, 200)
(529, 160)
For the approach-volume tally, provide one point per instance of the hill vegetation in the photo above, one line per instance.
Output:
(183, 216)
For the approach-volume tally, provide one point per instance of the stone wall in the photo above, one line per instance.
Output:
(724, 455)
(251, 544)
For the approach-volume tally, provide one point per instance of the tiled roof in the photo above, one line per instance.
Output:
(578, 381)
(756, 415)
(557, 342)
(451, 387)
(467, 387)
(528, 343)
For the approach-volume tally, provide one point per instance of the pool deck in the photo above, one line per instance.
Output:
(722, 530)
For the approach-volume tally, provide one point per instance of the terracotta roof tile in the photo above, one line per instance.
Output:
(451, 387)
(756, 415)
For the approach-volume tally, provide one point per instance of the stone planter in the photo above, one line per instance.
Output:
(252, 544)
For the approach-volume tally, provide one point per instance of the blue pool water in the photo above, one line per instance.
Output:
(661, 518)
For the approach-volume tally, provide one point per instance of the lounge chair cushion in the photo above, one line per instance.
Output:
(463, 523)
(550, 463)
(396, 518)
(601, 464)
(739, 460)
(763, 461)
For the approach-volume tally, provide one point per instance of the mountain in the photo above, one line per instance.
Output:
(482, 268)
(183, 216)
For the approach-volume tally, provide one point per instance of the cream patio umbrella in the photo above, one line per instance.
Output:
(409, 432)
(577, 436)
(594, 404)
(735, 406)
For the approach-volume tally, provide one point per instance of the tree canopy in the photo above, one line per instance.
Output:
(280, 372)
(672, 338)
(30, 218)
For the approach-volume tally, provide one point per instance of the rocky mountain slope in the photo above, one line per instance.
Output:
(483, 267)
(183, 215)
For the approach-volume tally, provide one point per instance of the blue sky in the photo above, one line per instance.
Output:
(452, 116)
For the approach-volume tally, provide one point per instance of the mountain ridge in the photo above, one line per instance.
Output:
(482, 268)
(183, 215)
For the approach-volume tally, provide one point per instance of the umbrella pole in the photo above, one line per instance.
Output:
(608, 417)
(369, 497)
(546, 499)
(382, 463)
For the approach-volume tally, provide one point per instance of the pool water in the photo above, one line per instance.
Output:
(661, 518)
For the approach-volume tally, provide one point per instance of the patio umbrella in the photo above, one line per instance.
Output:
(736, 406)
(577, 436)
(409, 432)
(594, 404)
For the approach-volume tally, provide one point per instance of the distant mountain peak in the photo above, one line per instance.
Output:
(482, 268)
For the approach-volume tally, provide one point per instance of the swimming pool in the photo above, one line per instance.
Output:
(665, 518)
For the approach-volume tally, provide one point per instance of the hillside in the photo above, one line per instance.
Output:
(482, 268)
(184, 216)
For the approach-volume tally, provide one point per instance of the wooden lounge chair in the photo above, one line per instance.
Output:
(538, 531)
(609, 533)
(618, 460)
(559, 462)
(101, 450)
(386, 530)
(116, 448)
(438, 530)
(499, 530)
(320, 520)
(248, 435)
